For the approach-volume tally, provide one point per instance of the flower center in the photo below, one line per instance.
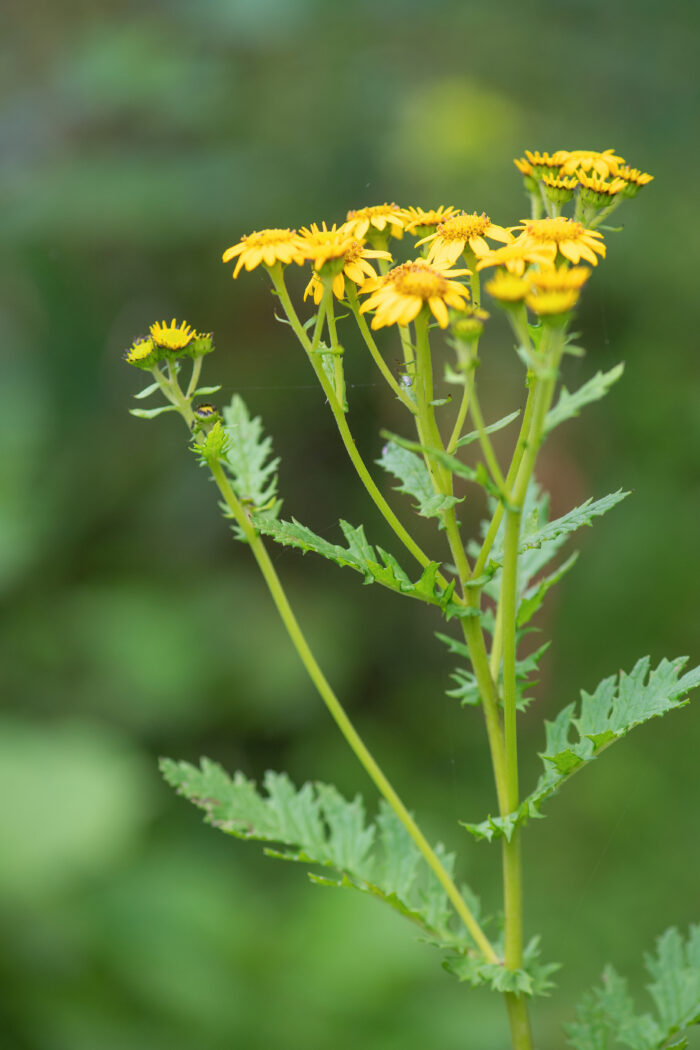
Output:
(463, 227)
(553, 229)
(420, 281)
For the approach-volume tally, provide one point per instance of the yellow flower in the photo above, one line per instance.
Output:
(172, 336)
(541, 163)
(382, 217)
(399, 296)
(515, 255)
(460, 232)
(422, 221)
(563, 235)
(560, 278)
(558, 189)
(265, 246)
(141, 353)
(597, 191)
(323, 245)
(523, 165)
(634, 179)
(507, 287)
(545, 304)
(604, 163)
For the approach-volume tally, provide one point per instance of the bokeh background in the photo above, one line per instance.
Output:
(139, 140)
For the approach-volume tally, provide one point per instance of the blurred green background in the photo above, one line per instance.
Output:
(140, 140)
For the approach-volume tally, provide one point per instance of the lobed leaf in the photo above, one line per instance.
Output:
(616, 706)
(607, 1016)
(253, 473)
(490, 429)
(569, 405)
(375, 564)
(410, 469)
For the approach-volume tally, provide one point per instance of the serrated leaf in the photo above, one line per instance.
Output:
(569, 405)
(151, 413)
(607, 1016)
(316, 825)
(410, 469)
(616, 706)
(533, 979)
(376, 565)
(490, 429)
(533, 597)
(253, 473)
(454, 465)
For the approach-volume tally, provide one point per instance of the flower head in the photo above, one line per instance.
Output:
(634, 179)
(323, 246)
(399, 296)
(566, 236)
(597, 191)
(605, 163)
(541, 163)
(549, 304)
(381, 217)
(460, 232)
(142, 353)
(507, 287)
(267, 247)
(172, 336)
(516, 255)
(523, 165)
(559, 189)
(421, 221)
(559, 278)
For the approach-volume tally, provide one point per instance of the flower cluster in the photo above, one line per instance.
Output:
(598, 177)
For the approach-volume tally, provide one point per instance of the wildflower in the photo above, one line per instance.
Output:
(141, 353)
(598, 192)
(515, 255)
(267, 247)
(421, 221)
(324, 246)
(559, 190)
(634, 179)
(381, 217)
(399, 296)
(173, 336)
(460, 232)
(507, 287)
(469, 327)
(563, 235)
(604, 164)
(523, 165)
(550, 304)
(559, 278)
(541, 163)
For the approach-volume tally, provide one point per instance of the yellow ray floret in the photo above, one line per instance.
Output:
(355, 262)
(599, 185)
(398, 297)
(546, 304)
(604, 163)
(508, 287)
(460, 232)
(523, 165)
(140, 351)
(425, 220)
(266, 247)
(541, 162)
(172, 336)
(566, 236)
(382, 217)
(559, 278)
(639, 178)
(516, 255)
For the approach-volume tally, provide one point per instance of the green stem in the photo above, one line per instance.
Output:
(374, 350)
(343, 428)
(340, 717)
(462, 413)
(338, 370)
(486, 446)
(194, 378)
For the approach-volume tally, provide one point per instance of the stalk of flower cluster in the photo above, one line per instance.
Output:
(342, 425)
(174, 394)
(371, 345)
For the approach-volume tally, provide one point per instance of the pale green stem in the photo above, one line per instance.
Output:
(601, 216)
(462, 412)
(535, 205)
(374, 350)
(194, 378)
(338, 370)
(486, 446)
(340, 717)
(343, 428)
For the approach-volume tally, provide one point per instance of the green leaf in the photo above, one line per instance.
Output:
(151, 413)
(616, 706)
(490, 429)
(532, 979)
(454, 465)
(253, 473)
(410, 469)
(607, 1016)
(202, 391)
(569, 405)
(147, 391)
(376, 565)
(533, 597)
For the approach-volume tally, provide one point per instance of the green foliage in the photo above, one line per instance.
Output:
(247, 459)
(607, 1015)
(376, 565)
(569, 405)
(454, 465)
(410, 469)
(316, 825)
(617, 705)
(490, 429)
(467, 690)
